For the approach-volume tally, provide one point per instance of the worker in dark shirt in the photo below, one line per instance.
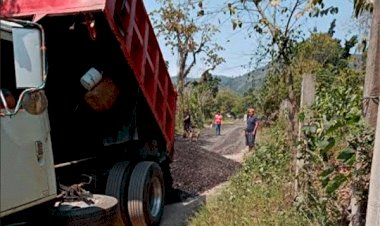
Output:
(251, 129)
(187, 123)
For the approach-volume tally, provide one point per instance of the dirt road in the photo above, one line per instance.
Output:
(201, 166)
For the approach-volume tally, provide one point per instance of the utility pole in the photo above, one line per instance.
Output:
(373, 208)
(371, 94)
(372, 78)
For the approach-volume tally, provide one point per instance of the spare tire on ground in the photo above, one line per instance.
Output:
(100, 211)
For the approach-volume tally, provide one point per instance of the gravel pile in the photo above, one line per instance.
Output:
(196, 170)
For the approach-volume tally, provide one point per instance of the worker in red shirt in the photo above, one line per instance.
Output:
(218, 122)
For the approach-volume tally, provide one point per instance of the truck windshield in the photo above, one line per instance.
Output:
(8, 78)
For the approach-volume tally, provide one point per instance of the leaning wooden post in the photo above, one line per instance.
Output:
(307, 99)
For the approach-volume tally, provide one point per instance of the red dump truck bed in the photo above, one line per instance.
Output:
(130, 23)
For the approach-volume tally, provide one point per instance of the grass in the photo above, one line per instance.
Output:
(259, 194)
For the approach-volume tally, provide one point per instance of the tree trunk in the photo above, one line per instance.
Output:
(180, 88)
(293, 107)
(371, 89)
(180, 103)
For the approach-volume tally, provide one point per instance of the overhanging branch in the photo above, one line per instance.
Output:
(195, 53)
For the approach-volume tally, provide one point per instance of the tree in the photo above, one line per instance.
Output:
(177, 22)
(278, 24)
(199, 98)
(228, 102)
(211, 82)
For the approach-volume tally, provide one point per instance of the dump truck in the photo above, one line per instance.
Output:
(87, 114)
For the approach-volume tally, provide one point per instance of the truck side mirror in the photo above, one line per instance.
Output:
(35, 102)
(27, 57)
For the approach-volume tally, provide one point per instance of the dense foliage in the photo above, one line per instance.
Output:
(335, 144)
(261, 192)
(336, 148)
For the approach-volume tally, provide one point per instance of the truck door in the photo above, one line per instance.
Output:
(27, 175)
(26, 161)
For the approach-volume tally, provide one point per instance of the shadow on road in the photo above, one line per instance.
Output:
(177, 214)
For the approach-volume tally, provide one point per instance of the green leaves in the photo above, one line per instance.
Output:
(331, 180)
(326, 144)
(325, 176)
(335, 183)
(301, 116)
(327, 172)
(336, 146)
(347, 155)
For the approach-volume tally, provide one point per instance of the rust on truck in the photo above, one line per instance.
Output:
(131, 26)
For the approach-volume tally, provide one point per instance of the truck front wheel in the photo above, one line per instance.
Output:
(146, 194)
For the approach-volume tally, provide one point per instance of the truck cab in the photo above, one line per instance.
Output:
(86, 114)
(26, 161)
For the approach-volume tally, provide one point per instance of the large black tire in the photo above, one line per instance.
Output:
(146, 194)
(117, 186)
(101, 213)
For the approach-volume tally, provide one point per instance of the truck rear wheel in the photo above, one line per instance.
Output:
(117, 186)
(100, 212)
(146, 194)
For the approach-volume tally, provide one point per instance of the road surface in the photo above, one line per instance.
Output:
(202, 167)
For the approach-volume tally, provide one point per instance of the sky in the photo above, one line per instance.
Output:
(239, 47)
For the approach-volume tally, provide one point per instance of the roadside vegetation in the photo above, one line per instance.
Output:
(261, 192)
(334, 147)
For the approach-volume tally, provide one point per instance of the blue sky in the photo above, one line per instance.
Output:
(239, 47)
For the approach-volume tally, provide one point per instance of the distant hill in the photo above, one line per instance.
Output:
(239, 84)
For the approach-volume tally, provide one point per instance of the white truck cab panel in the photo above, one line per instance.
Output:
(26, 162)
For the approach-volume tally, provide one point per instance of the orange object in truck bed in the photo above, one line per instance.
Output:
(102, 96)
